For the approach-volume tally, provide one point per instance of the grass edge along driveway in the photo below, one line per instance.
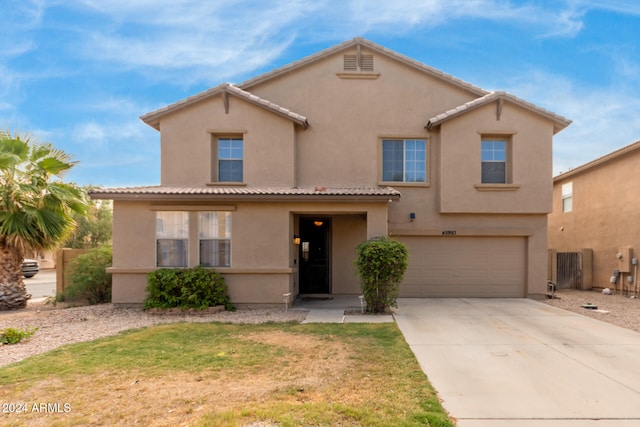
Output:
(219, 374)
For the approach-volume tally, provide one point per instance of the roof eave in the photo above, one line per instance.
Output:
(559, 122)
(153, 118)
(370, 45)
(210, 198)
(599, 161)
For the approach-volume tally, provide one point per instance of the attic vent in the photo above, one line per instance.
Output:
(365, 63)
(350, 63)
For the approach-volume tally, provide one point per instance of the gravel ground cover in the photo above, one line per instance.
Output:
(618, 309)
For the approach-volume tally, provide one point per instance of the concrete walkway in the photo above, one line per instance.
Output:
(522, 363)
(337, 309)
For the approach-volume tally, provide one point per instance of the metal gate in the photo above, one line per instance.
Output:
(569, 270)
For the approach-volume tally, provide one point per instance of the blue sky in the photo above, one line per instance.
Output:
(79, 73)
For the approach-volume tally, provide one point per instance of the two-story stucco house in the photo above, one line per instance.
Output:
(275, 181)
(593, 229)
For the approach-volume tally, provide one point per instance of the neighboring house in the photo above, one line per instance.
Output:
(595, 207)
(275, 181)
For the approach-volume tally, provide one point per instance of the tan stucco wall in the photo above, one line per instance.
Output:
(348, 117)
(186, 143)
(348, 232)
(605, 209)
(263, 256)
(460, 144)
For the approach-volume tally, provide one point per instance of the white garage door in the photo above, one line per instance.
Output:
(465, 267)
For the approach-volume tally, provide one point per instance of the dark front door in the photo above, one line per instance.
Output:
(315, 255)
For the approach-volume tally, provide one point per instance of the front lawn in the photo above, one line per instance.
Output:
(226, 375)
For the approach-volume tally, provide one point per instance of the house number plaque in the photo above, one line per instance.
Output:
(448, 232)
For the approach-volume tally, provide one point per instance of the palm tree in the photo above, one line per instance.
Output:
(36, 208)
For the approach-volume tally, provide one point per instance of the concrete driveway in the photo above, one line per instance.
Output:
(522, 363)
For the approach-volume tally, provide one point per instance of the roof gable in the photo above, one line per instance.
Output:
(631, 148)
(499, 97)
(241, 90)
(361, 42)
(225, 89)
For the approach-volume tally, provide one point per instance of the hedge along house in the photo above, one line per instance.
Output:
(275, 181)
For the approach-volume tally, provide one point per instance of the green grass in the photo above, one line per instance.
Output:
(230, 375)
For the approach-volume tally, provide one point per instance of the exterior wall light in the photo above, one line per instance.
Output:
(296, 239)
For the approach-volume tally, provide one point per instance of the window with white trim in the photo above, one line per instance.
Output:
(567, 197)
(404, 160)
(172, 239)
(495, 161)
(214, 235)
(228, 159)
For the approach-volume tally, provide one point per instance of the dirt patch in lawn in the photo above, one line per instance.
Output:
(307, 369)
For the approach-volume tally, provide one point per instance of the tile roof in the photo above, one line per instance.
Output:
(298, 118)
(559, 121)
(599, 161)
(153, 118)
(249, 193)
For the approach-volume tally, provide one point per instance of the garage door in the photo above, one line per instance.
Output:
(465, 267)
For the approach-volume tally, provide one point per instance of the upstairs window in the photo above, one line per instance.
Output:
(172, 239)
(495, 167)
(214, 233)
(567, 197)
(228, 153)
(404, 160)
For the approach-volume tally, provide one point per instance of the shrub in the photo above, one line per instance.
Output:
(185, 288)
(14, 336)
(88, 277)
(381, 264)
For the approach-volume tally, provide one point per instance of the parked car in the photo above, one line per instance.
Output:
(30, 267)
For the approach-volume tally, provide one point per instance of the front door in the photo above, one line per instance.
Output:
(315, 255)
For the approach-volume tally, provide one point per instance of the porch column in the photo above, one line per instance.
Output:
(377, 221)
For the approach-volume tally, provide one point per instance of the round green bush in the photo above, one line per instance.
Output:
(381, 264)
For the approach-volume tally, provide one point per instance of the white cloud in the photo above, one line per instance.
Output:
(90, 133)
(216, 40)
(16, 23)
(604, 119)
(212, 40)
(629, 7)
